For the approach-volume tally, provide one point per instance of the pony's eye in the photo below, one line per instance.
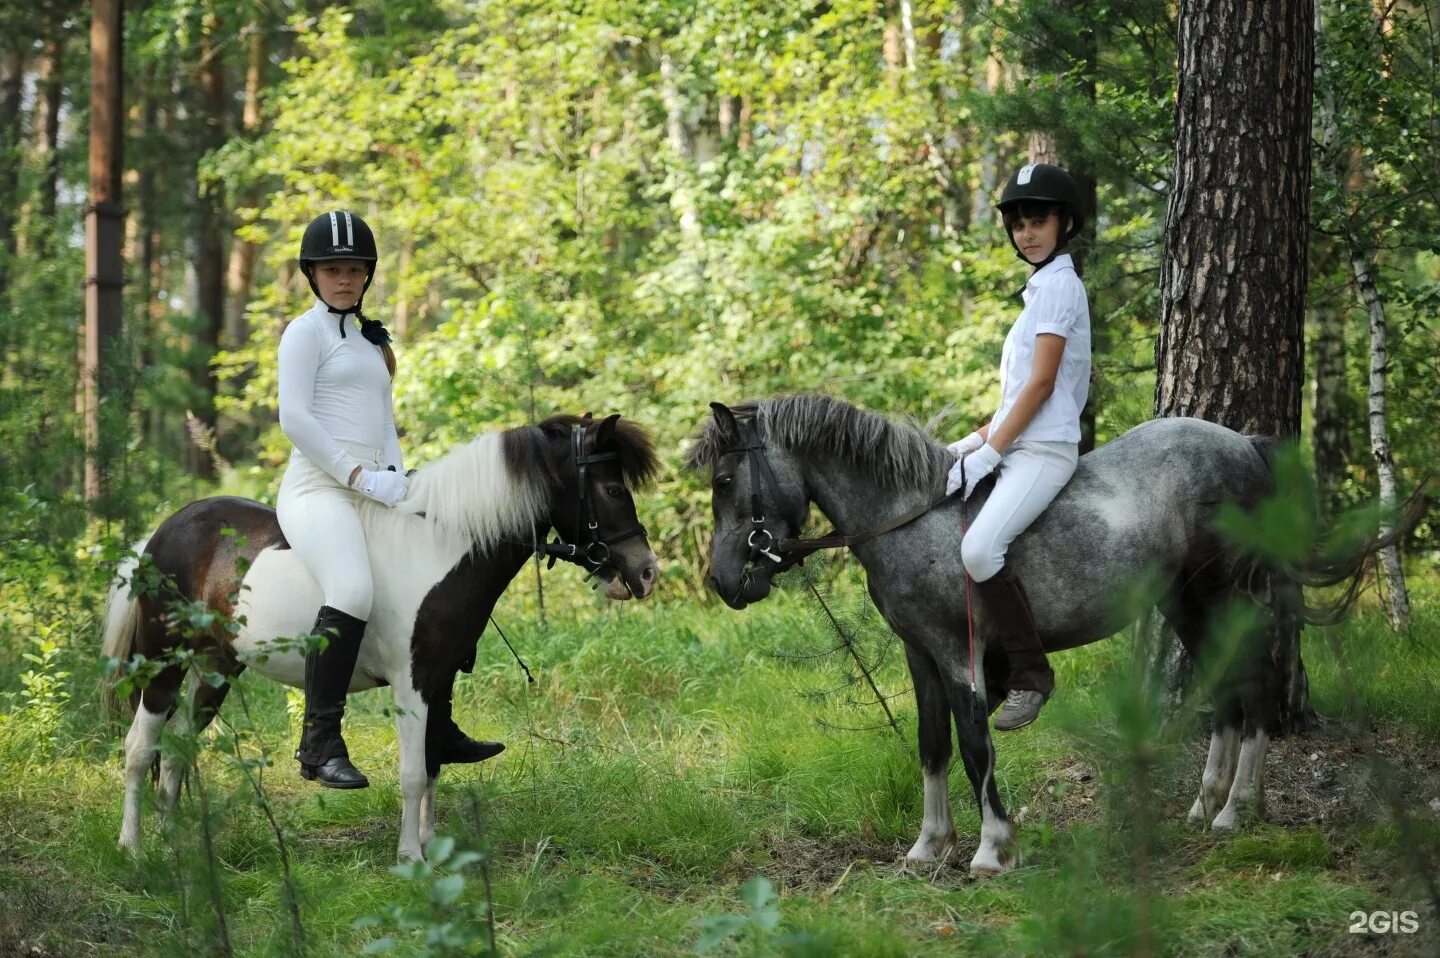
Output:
(614, 491)
(723, 482)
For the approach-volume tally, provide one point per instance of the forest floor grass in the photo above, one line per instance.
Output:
(670, 751)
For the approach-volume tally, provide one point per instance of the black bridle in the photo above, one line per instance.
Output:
(590, 550)
(787, 553)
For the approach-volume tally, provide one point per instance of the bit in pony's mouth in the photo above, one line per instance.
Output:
(754, 586)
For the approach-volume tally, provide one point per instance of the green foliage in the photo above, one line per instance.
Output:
(757, 932)
(446, 924)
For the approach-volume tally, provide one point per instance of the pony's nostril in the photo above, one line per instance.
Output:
(647, 574)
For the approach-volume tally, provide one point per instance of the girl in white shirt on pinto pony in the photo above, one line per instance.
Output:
(336, 407)
(1033, 438)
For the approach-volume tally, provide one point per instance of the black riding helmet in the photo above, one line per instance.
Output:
(1044, 183)
(341, 234)
(337, 235)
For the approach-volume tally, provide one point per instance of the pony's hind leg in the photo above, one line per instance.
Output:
(937, 830)
(204, 701)
(151, 714)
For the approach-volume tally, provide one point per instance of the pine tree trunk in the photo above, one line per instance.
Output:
(209, 247)
(241, 272)
(12, 81)
(50, 91)
(104, 234)
(1233, 278)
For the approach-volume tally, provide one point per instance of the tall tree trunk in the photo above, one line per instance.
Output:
(104, 234)
(1331, 436)
(682, 144)
(12, 81)
(209, 246)
(243, 253)
(1236, 232)
(50, 92)
(1397, 597)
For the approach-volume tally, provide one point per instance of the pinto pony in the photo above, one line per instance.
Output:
(1142, 504)
(441, 560)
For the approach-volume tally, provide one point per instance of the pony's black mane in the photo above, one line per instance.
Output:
(525, 448)
(898, 454)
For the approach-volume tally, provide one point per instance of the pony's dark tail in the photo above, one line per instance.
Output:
(1323, 570)
(122, 627)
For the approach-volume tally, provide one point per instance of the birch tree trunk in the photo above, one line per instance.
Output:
(1344, 163)
(1233, 279)
(1397, 597)
(682, 144)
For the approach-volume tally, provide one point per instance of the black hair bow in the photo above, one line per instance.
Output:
(375, 331)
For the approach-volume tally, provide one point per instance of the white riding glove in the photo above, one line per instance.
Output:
(978, 465)
(382, 485)
(963, 447)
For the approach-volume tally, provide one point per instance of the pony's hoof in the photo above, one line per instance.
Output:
(1226, 821)
(928, 849)
(1197, 814)
(985, 865)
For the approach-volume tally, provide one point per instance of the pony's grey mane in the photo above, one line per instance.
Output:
(900, 455)
(496, 486)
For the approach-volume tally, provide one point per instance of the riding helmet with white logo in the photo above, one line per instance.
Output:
(337, 235)
(1044, 183)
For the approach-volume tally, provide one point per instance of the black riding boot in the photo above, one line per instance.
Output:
(445, 743)
(322, 753)
(1031, 680)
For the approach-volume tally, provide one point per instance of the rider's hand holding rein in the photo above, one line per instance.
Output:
(385, 486)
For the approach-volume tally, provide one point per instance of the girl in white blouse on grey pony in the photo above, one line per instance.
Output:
(1033, 438)
(336, 407)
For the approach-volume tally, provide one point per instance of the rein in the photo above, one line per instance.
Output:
(787, 553)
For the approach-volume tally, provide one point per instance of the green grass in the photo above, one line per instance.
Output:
(666, 755)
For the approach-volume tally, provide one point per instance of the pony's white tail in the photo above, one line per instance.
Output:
(122, 625)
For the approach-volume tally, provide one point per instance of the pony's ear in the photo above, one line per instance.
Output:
(606, 436)
(725, 419)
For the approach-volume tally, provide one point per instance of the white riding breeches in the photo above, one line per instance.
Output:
(321, 521)
(1030, 476)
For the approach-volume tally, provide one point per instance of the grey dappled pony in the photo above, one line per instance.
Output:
(1134, 528)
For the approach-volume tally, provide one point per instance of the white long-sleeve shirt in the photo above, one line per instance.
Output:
(335, 390)
(1055, 303)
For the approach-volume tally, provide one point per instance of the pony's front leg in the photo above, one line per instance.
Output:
(1246, 794)
(411, 714)
(937, 830)
(1219, 772)
(427, 812)
(998, 851)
